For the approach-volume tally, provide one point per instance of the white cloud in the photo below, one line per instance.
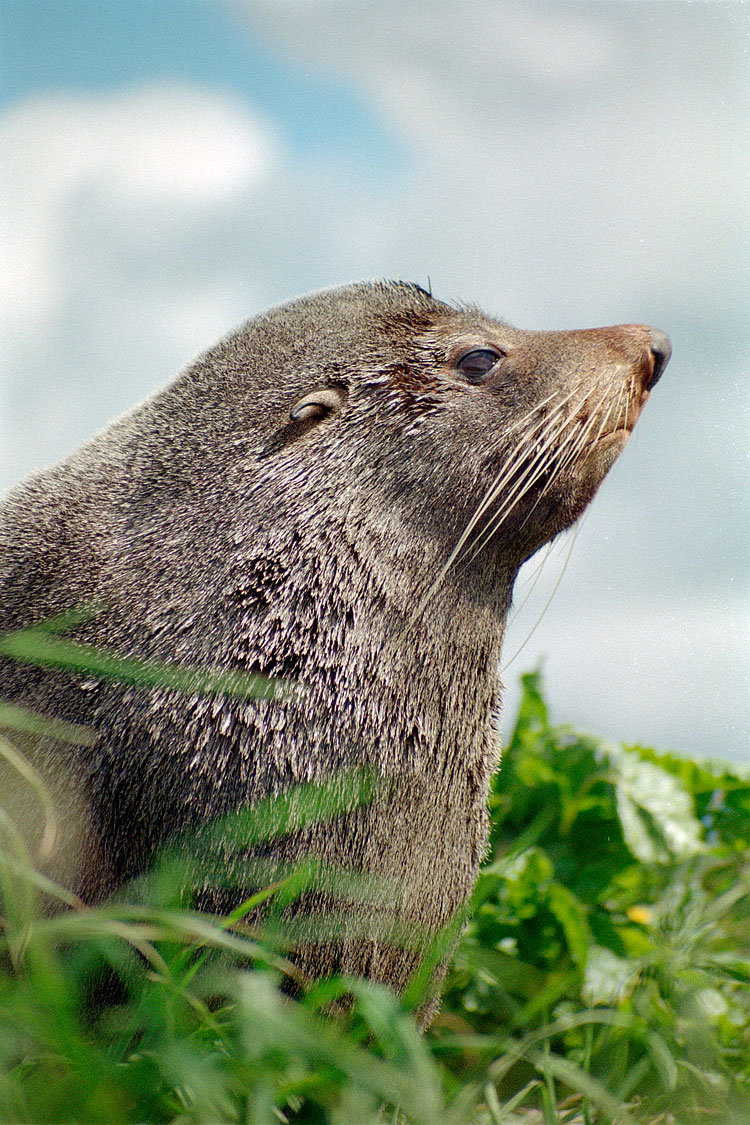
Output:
(119, 268)
(575, 154)
(654, 672)
(565, 165)
(166, 148)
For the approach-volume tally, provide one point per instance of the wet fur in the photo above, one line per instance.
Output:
(365, 549)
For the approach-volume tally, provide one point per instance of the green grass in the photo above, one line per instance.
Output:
(603, 975)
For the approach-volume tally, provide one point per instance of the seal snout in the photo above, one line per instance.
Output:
(661, 349)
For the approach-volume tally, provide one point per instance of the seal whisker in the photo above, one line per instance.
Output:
(541, 437)
(504, 475)
(514, 426)
(490, 495)
(582, 438)
(534, 435)
(536, 469)
(576, 441)
(586, 438)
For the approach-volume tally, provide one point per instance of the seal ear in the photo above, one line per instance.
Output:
(318, 404)
(307, 412)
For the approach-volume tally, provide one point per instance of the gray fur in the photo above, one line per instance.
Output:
(217, 530)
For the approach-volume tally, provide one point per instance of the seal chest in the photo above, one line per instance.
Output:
(339, 494)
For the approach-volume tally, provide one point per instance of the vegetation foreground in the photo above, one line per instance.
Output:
(603, 975)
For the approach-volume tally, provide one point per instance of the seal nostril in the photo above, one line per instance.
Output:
(661, 350)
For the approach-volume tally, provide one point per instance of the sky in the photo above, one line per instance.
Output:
(170, 168)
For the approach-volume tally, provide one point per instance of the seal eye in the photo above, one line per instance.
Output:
(477, 365)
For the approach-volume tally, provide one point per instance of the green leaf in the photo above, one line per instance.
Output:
(655, 810)
(532, 710)
(40, 646)
(30, 722)
(571, 915)
(608, 978)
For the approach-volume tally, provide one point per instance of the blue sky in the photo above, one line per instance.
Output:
(103, 45)
(177, 166)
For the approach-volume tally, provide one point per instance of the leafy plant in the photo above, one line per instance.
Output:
(614, 917)
(602, 976)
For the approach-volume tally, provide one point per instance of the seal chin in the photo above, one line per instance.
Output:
(601, 457)
(614, 441)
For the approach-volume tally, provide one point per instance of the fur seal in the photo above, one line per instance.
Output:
(339, 494)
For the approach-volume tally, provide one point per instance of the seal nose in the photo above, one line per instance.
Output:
(661, 350)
